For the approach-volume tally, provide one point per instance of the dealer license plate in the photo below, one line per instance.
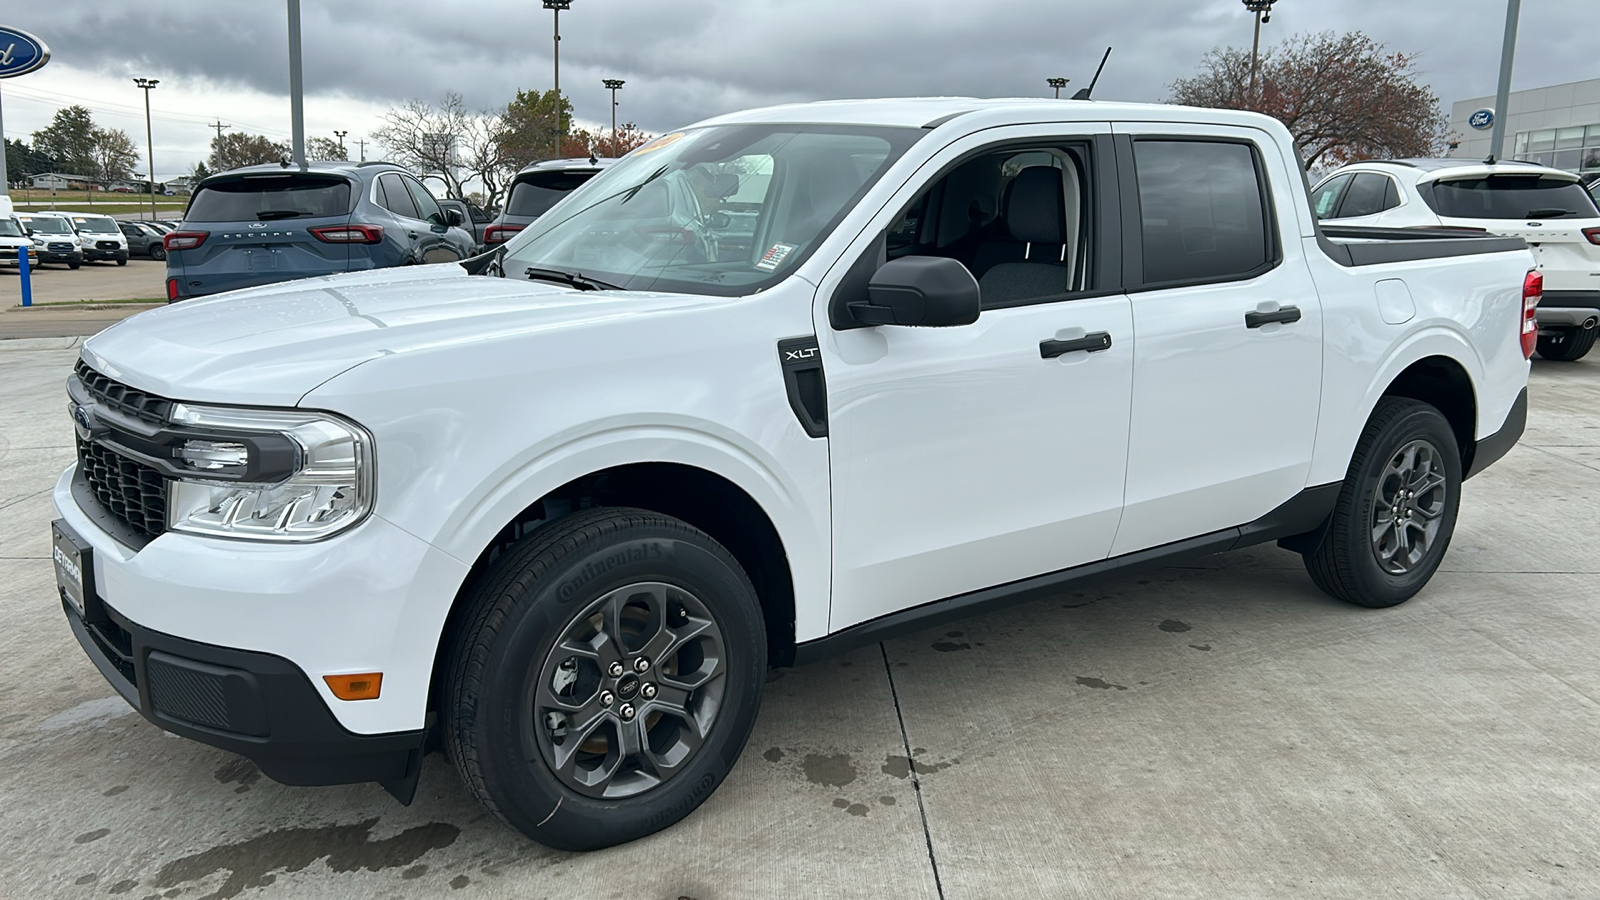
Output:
(72, 558)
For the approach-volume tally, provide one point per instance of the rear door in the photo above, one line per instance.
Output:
(1227, 325)
(260, 229)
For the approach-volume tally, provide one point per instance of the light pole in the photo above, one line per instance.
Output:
(340, 135)
(147, 85)
(1263, 11)
(1058, 84)
(613, 84)
(556, 6)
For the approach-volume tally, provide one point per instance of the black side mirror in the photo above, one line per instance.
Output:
(927, 291)
(453, 216)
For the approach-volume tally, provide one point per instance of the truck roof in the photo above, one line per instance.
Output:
(931, 112)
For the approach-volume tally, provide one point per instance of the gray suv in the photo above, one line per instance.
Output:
(265, 224)
(537, 188)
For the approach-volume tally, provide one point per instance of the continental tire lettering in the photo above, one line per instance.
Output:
(594, 568)
(685, 806)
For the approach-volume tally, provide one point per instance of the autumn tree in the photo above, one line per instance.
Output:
(1342, 96)
(528, 129)
(235, 149)
(68, 141)
(449, 140)
(325, 149)
(114, 153)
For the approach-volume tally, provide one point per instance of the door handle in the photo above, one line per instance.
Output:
(1093, 343)
(1256, 318)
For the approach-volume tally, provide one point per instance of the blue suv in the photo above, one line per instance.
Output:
(264, 224)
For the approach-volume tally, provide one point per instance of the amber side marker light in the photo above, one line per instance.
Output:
(364, 686)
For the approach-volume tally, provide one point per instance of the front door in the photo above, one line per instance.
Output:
(973, 456)
(1228, 336)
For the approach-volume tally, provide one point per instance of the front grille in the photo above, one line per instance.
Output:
(130, 401)
(61, 248)
(107, 245)
(132, 491)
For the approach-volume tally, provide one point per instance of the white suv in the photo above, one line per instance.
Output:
(1548, 208)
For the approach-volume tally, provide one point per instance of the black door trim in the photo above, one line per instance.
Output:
(1302, 514)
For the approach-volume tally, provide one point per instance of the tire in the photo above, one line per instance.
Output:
(1566, 344)
(1348, 563)
(73, 265)
(569, 585)
(157, 251)
(122, 261)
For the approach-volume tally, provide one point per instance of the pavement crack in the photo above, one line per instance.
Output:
(1576, 462)
(916, 782)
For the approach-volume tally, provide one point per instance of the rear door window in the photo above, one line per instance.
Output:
(395, 198)
(534, 193)
(1366, 196)
(1510, 197)
(1326, 199)
(266, 198)
(426, 205)
(1202, 211)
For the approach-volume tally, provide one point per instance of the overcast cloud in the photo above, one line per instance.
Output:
(688, 59)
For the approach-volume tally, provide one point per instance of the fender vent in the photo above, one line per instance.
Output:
(803, 381)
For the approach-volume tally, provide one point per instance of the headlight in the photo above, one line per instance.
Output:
(323, 463)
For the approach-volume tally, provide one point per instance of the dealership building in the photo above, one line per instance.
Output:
(1555, 126)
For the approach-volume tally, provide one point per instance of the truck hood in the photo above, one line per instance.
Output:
(270, 346)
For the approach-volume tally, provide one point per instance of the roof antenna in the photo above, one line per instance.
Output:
(1489, 160)
(1083, 93)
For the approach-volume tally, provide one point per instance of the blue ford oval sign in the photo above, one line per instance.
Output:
(20, 52)
(1481, 119)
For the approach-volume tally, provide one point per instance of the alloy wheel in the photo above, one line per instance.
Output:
(1408, 507)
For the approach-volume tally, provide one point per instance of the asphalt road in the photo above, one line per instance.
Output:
(1218, 729)
(65, 299)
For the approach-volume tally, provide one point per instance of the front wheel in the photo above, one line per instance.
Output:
(604, 678)
(1566, 344)
(158, 252)
(1396, 509)
(73, 265)
(122, 260)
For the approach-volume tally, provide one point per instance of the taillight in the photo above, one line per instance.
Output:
(172, 289)
(1532, 293)
(348, 234)
(499, 234)
(184, 240)
(1593, 234)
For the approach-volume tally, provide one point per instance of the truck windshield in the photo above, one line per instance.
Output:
(1510, 197)
(723, 210)
(95, 224)
(49, 225)
(10, 228)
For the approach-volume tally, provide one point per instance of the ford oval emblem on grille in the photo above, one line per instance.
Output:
(258, 224)
(83, 421)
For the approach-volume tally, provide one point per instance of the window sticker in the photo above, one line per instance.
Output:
(775, 255)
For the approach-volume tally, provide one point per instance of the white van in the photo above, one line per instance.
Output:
(98, 234)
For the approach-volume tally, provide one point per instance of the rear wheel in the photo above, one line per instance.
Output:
(1566, 344)
(1396, 510)
(605, 678)
(157, 251)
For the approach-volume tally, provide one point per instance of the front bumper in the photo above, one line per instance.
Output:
(93, 253)
(254, 627)
(58, 256)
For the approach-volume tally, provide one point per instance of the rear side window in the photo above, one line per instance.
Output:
(266, 198)
(1202, 211)
(1369, 194)
(426, 205)
(534, 193)
(1510, 197)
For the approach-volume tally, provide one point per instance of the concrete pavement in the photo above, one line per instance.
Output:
(1219, 729)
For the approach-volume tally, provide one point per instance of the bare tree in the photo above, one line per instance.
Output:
(114, 153)
(1342, 96)
(450, 141)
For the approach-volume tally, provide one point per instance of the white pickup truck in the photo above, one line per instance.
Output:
(780, 384)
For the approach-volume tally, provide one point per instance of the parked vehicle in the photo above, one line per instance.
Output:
(54, 241)
(473, 220)
(98, 236)
(561, 506)
(14, 240)
(164, 228)
(143, 239)
(537, 188)
(1546, 207)
(265, 224)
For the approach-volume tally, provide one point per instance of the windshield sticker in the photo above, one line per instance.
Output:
(775, 255)
(658, 143)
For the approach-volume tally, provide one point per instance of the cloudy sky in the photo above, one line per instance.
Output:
(225, 60)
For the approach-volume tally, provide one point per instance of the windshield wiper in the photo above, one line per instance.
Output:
(572, 279)
(269, 214)
(630, 192)
(1548, 212)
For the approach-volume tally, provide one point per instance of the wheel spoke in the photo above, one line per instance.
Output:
(670, 638)
(571, 747)
(687, 738)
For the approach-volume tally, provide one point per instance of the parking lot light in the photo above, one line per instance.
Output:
(147, 85)
(1058, 84)
(613, 84)
(556, 6)
(1263, 11)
